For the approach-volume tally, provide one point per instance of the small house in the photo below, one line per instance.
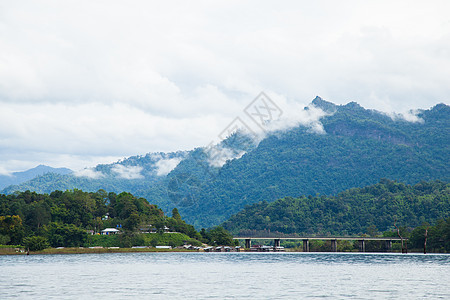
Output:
(109, 231)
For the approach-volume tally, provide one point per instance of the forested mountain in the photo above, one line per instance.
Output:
(20, 177)
(354, 211)
(143, 175)
(357, 148)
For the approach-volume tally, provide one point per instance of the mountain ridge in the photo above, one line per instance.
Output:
(358, 147)
(23, 176)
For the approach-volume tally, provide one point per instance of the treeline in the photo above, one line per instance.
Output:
(357, 211)
(431, 238)
(425, 238)
(64, 219)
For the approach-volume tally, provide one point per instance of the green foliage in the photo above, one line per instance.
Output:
(147, 239)
(438, 237)
(64, 218)
(358, 148)
(218, 236)
(355, 211)
(176, 214)
(4, 239)
(11, 229)
(168, 239)
(36, 243)
(176, 224)
(103, 240)
(65, 235)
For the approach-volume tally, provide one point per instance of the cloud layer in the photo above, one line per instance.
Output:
(87, 82)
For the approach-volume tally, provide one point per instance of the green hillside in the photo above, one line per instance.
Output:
(354, 211)
(20, 177)
(63, 219)
(360, 147)
(111, 178)
(357, 149)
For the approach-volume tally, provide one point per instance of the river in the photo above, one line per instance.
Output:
(226, 276)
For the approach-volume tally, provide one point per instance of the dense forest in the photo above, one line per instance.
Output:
(367, 210)
(74, 218)
(360, 147)
(357, 148)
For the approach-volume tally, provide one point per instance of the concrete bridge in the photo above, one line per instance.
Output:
(361, 240)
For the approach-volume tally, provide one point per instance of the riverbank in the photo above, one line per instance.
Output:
(100, 250)
(95, 250)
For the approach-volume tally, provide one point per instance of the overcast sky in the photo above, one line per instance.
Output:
(87, 82)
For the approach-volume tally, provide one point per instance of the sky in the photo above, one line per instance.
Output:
(87, 82)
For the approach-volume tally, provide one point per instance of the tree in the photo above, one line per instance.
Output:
(65, 235)
(175, 214)
(12, 227)
(219, 236)
(404, 250)
(132, 222)
(418, 236)
(38, 215)
(372, 230)
(36, 243)
(4, 239)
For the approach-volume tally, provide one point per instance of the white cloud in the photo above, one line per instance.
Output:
(218, 156)
(295, 114)
(4, 171)
(164, 166)
(84, 81)
(410, 116)
(128, 172)
(84, 135)
(89, 173)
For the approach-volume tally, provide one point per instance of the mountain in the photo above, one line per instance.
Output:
(140, 175)
(348, 147)
(354, 211)
(20, 177)
(357, 149)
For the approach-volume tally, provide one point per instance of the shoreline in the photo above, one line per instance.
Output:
(48, 251)
(12, 251)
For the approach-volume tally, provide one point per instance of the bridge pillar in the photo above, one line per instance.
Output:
(333, 245)
(276, 243)
(248, 243)
(362, 246)
(388, 245)
(305, 245)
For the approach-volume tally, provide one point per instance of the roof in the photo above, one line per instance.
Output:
(110, 230)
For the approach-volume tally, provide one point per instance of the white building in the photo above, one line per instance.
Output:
(108, 231)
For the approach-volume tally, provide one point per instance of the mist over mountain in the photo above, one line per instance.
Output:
(357, 149)
(346, 147)
(143, 174)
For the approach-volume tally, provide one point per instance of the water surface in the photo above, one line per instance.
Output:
(225, 276)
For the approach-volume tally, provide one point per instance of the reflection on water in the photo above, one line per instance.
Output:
(225, 276)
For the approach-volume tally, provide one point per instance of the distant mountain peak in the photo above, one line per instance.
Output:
(353, 105)
(44, 168)
(20, 177)
(326, 106)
